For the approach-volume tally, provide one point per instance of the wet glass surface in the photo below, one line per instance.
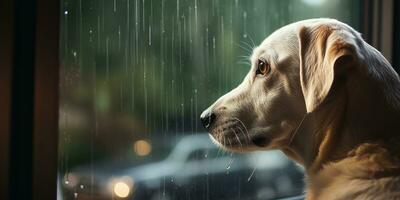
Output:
(135, 76)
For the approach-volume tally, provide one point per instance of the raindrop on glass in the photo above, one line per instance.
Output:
(244, 24)
(214, 42)
(251, 175)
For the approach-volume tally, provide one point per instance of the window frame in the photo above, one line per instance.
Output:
(29, 84)
(380, 27)
(29, 71)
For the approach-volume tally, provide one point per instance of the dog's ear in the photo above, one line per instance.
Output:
(325, 53)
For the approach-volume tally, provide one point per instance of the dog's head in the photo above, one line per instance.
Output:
(291, 74)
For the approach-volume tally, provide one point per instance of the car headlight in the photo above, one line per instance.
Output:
(122, 187)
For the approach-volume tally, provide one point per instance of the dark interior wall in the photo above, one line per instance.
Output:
(6, 35)
(22, 99)
(377, 26)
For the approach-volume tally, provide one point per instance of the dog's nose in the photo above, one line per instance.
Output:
(207, 118)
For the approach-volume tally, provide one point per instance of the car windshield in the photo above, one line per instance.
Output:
(135, 76)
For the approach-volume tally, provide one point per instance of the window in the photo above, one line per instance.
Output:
(135, 75)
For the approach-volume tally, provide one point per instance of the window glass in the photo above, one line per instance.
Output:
(135, 76)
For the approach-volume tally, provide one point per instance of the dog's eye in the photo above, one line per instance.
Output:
(262, 67)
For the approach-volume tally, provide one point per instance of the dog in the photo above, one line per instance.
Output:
(328, 100)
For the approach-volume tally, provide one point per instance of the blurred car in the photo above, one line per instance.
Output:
(196, 169)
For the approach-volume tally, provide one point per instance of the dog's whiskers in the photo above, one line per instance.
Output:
(244, 126)
(252, 41)
(244, 48)
(237, 138)
(246, 137)
(251, 47)
(219, 151)
(244, 62)
(246, 57)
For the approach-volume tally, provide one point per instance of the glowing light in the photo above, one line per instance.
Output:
(71, 180)
(121, 189)
(142, 147)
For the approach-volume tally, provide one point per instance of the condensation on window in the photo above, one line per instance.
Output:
(135, 75)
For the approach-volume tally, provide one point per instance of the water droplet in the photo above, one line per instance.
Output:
(76, 195)
(81, 186)
(251, 175)
(228, 167)
(149, 35)
(206, 155)
(66, 12)
(245, 24)
(213, 42)
(66, 182)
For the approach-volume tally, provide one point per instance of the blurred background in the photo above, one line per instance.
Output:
(135, 76)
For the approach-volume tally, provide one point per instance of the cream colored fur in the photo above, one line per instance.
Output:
(331, 102)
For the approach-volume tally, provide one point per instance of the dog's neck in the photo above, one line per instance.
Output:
(316, 137)
(348, 119)
(346, 134)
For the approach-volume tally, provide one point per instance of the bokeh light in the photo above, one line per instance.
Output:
(121, 189)
(142, 147)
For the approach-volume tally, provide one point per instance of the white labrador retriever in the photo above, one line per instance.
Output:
(328, 100)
